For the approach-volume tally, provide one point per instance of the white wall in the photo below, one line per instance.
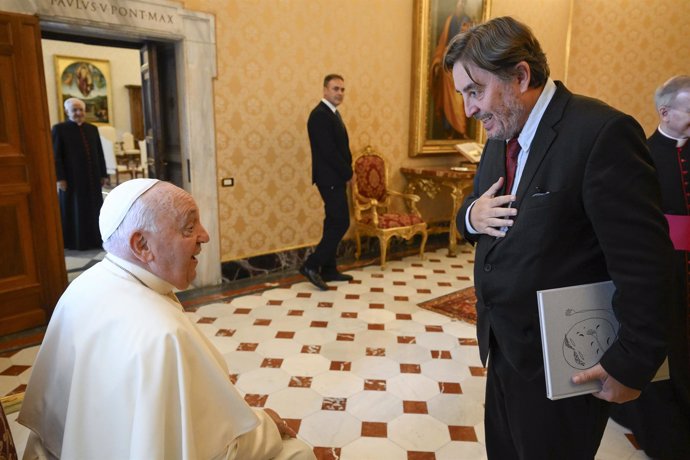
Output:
(124, 70)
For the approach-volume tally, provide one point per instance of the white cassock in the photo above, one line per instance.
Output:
(123, 374)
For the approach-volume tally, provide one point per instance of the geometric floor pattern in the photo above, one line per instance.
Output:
(359, 371)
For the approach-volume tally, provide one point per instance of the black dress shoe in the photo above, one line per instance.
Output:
(313, 277)
(336, 276)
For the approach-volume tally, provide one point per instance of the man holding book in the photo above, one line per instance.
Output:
(553, 207)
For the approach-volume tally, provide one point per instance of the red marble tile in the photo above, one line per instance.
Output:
(351, 296)
(439, 271)
(377, 275)
(247, 346)
(377, 306)
(325, 305)
(285, 334)
(374, 385)
(452, 388)
(303, 295)
(311, 349)
(14, 370)
(420, 277)
(300, 382)
(272, 362)
(403, 316)
(337, 404)
(413, 455)
(401, 298)
(262, 322)
(468, 342)
(443, 284)
(20, 389)
(376, 289)
(345, 337)
(355, 281)
(440, 354)
(415, 407)
(376, 327)
(293, 423)
(275, 302)
(375, 429)
(456, 266)
(462, 278)
(433, 328)
(340, 365)
(206, 320)
(376, 351)
(434, 260)
(632, 440)
(233, 378)
(399, 283)
(462, 433)
(406, 339)
(256, 400)
(470, 261)
(478, 371)
(295, 312)
(242, 311)
(225, 332)
(348, 314)
(410, 369)
(319, 324)
(423, 291)
(327, 453)
(398, 270)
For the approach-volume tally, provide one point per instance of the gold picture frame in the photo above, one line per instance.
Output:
(438, 121)
(86, 79)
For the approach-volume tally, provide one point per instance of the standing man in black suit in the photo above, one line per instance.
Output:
(582, 205)
(331, 163)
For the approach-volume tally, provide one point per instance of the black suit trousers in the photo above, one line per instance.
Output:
(522, 423)
(335, 225)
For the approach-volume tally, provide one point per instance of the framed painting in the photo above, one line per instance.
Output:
(86, 79)
(438, 122)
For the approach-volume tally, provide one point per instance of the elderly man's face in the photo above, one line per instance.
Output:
(76, 112)
(675, 120)
(494, 102)
(178, 242)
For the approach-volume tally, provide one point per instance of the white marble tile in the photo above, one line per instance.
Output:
(418, 432)
(409, 353)
(330, 428)
(445, 370)
(315, 335)
(375, 406)
(278, 294)
(306, 364)
(456, 409)
(343, 351)
(242, 361)
(295, 402)
(375, 367)
(337, 384)
(436, 341)
(366, 448)
(457, 450)
(279, 348)
(412, 387)
(263, 381)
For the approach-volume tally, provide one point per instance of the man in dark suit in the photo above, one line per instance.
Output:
(583, 206)
(331, 162)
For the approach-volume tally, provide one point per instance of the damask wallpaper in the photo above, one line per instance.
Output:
(273, 54)
(623, 50)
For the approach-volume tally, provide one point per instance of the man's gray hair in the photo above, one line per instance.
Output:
(71, 101)
(666, 94)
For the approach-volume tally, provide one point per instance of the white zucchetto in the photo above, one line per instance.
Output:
(118, 202)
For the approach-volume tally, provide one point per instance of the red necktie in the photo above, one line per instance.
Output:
(512, 151)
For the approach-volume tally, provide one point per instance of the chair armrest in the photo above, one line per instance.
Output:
(406, 196)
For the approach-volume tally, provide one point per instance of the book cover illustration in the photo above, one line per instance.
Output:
(577, 327)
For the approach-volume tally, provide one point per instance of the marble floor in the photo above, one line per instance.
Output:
(359, 370)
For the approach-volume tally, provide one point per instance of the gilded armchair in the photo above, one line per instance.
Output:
(371, 201)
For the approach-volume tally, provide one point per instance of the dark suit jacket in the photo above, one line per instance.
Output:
(331, 160)
(600, 220)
